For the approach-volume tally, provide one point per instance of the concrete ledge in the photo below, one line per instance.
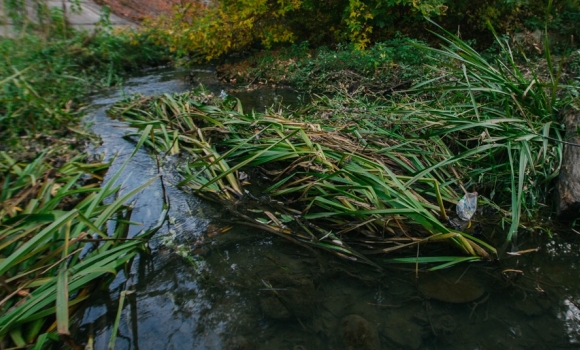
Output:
(86, 19)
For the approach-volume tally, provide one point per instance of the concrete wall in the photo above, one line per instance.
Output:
(87, 18)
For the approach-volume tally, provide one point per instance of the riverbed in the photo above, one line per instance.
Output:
(208, 284)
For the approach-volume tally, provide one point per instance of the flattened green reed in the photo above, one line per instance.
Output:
(385, 176)
(57, 238)
(348, 190)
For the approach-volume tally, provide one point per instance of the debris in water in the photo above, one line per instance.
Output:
(467, 206)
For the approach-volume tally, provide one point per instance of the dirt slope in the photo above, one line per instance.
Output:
(137, 10)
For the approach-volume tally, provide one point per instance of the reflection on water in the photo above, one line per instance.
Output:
(244, 289)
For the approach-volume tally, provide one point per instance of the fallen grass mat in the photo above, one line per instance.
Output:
(59, 235)
(501, 115)
(346, 190)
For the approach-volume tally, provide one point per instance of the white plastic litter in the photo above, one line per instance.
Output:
(467, 206)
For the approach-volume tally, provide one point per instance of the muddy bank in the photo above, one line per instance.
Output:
(137, 11)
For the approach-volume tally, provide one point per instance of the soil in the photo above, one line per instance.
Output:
(138, 10)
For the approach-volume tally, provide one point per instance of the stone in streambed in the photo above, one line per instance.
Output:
(450, 288)
(528, 306)
(292, 295)
(239, 343)
(405, 333)
(358, 334)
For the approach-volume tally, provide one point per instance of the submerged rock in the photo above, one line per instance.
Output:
(405, 333)
(444, 324)
(568, 194)
(439, 325)
(239, 343)
(450, 288)
(291, 295)
(357, 333)
(274, 308)
(528, 306)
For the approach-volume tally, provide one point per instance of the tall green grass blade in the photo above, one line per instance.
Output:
(115, 329)
(41, 237)
(62, 318)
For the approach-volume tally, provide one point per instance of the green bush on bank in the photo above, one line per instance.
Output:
(206, 32)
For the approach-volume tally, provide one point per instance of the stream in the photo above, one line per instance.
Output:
(207, 285)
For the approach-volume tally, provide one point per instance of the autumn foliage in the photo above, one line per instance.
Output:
(205, 32)
(211, 31)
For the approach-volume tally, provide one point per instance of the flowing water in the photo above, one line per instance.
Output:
(239, 288)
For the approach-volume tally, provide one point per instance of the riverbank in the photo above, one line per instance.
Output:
(382, 69)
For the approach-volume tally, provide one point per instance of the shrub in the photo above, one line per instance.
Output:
(43, 80)
(208, 32)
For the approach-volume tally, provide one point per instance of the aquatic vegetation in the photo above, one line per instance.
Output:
(382, 176)
(59, 236)
(501, 118)
(343, 189)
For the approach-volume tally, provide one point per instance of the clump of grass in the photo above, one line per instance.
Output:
(383, 176)
(57, 238)
(500, 118)
(348, 190)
